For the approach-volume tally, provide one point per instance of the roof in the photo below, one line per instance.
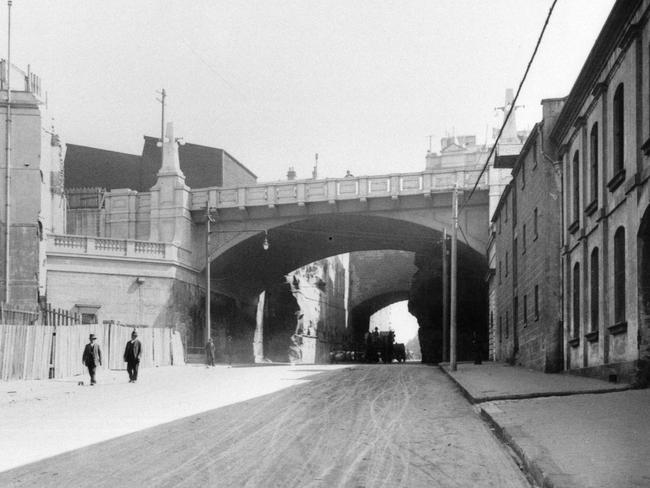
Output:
(201, 165)
(92, 167)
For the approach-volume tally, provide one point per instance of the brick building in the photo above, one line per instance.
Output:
(603, 134)
(523, 255)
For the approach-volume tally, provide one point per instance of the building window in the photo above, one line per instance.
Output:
(535, 223)
(523, 239)
(525, 310)
(500, 329)
(576, 300)
(514, 262)
(593, 153)
(593, 295)
(619, 275)
(536, 311)
(576, 185)
(618, 127)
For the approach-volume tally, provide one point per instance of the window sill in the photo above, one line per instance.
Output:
(574, 227)
(616, 329)
(591, 208)
(575, 342)
(592, 336)
(616, 181)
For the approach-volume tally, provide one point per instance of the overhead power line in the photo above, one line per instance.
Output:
(512, 105)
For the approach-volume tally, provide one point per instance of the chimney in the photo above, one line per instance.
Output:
(291, 174)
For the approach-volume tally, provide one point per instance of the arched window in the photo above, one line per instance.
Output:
(576, 300)
(618, 127)
(576, 185)
(593, 153)
(593, 289)
(619, 275)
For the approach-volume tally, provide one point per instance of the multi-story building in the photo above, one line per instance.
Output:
(31, 198)
(603, 134)
(523, 254)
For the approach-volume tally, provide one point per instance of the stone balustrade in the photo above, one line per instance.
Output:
(300, 192)
(103, 247)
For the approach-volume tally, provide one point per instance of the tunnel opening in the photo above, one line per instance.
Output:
(244, 268)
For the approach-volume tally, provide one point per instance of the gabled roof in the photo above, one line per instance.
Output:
(453, 147)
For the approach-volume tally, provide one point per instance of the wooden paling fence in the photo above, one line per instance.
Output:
(25, 351)
(45, 351)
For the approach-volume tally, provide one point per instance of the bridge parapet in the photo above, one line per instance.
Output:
(300, 192)
(124, 248)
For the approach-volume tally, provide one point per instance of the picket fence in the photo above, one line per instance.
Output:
(46, 351)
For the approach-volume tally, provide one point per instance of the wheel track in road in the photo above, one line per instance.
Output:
(366, 426)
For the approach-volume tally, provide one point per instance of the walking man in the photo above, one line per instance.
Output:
(209, 352)
(92, 357)
(132, 354)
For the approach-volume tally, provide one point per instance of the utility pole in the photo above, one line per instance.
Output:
(445, 299)
(454, 271)
(163, 96)
(7, 296)
(208, 221)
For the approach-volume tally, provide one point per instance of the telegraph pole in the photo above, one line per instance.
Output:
(7, 296)
(208, 221)
(445, 299)
(454, 271)
(163, 96)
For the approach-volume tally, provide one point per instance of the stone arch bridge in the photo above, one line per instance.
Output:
(397, 217)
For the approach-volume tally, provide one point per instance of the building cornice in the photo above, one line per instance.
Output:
(613, 35)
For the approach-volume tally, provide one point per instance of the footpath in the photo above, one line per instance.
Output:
(567, 431)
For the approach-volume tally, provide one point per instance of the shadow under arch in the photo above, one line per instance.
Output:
(245, 268)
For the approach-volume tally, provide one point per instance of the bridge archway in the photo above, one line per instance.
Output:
(241, 268)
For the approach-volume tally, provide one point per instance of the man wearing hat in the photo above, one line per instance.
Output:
(132, 354)
(92, 357)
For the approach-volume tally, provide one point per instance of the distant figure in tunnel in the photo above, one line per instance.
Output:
(476, 348)
(209, 352)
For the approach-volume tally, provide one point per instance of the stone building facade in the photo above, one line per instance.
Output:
(523, 253)
(35, 204)
(603, 134)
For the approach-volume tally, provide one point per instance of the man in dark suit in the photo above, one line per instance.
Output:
(92, 357)
(132, 354)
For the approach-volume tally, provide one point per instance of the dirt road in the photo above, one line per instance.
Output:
(364, 426)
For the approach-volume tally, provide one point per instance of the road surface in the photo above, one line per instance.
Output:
(399, 425)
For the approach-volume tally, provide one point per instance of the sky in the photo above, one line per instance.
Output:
(365, 84)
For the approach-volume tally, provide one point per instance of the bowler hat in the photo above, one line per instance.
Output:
(92, 336)
(134, 334)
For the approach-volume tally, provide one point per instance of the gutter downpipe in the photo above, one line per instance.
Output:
(8, 159)
(557, 168)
